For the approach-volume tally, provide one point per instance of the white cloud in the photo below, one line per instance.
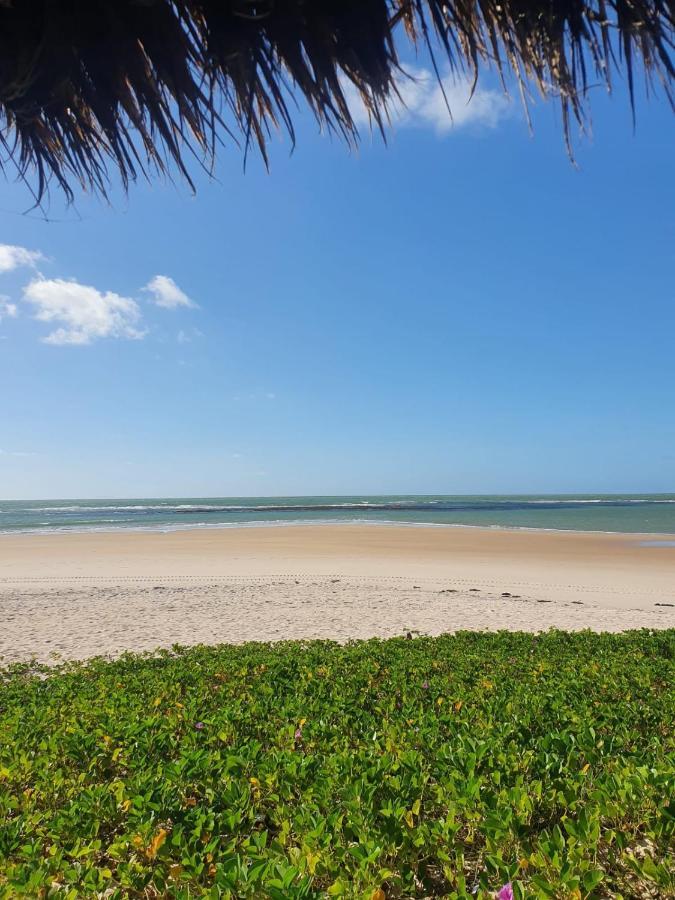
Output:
(422, 103)
(7, 309)
(84, 313)
(166, 293)
(12, 257)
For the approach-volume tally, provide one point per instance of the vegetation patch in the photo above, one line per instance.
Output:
(444, 767)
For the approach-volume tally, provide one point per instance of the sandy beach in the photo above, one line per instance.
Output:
(73, 596)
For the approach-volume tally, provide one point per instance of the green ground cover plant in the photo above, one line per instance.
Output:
(406, 768)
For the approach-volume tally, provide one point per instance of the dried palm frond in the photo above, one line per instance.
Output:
(139, 86)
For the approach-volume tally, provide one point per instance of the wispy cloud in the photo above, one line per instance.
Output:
(13, 257)
(166, 293)
(83, 313)
(186, 337)
(265, 395)
(20, 453)
(7, 309)
(422, 103)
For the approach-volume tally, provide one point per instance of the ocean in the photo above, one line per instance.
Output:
(644, 513)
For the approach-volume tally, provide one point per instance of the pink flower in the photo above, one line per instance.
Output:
(199, 725)
(298, 734)
(425, 685)
(506, 893)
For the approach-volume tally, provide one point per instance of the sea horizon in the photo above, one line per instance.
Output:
(623, 513)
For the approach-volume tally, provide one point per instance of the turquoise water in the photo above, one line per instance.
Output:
(653, 513)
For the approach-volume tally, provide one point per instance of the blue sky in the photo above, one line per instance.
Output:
(461, 310)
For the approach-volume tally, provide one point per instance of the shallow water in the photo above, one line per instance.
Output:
(645, 513)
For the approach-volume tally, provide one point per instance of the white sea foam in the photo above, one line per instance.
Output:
(451, 505)
(632, 514)
(165, 528)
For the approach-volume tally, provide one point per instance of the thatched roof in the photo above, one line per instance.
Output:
(139, 86)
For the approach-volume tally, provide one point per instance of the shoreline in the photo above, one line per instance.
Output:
(84, 594)
(329, 523)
